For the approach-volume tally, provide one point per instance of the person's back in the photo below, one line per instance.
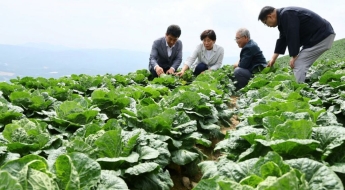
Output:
(312, 27)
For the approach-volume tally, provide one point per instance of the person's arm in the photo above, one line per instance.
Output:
(153, 55)
(190, 61)
(184, 69)
(291, 25)
(236, 64)
(279, 49)
(273, 60)
(292, 61)
(280, 44)
(219, 61)
(153, 59)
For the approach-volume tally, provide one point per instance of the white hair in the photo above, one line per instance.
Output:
(244, 32)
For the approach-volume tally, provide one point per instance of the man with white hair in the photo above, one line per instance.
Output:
(251, 58)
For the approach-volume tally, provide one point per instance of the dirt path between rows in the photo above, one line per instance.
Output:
(178, 174)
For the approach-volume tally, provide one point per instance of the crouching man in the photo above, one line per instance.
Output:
(166, 53)
(251, 58)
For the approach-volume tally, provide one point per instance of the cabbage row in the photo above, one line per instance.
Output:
(124, 131)
(290, 136)
(107, 132)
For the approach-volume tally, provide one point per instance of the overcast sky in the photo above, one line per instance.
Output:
(135, 24)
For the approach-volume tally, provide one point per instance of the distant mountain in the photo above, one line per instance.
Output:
(56, 61)
(46, 62)
(46, 46)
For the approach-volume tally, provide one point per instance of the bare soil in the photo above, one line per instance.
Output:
(177, 173)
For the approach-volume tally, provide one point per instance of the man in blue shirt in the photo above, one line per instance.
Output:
(251, 58)
(298, 27)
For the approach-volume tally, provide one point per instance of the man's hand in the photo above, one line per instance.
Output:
(159, 70)
(170, 71)
(273, 60)
(236, 65)
(292, 62)
(271, 63)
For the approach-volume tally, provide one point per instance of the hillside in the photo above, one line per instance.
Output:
(335, 53)
(21, 61)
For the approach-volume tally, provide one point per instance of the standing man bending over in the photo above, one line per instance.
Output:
(298, 27)
(251, 58)
(166, 53)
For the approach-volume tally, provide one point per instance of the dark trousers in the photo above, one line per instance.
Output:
(242, 77)
(154, 73)
(201, 67)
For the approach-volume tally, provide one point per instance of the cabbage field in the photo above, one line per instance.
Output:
(132, 132)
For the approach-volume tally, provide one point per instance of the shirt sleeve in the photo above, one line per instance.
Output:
(190, 60)
(291, 26)
(153, 56)
(281, 44)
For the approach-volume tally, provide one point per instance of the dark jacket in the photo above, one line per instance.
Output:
(251, 56)
(159, 54)
(300, 27)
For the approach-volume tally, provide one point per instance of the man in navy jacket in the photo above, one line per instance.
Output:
(166, 52)
(251, 58)
(298, 27)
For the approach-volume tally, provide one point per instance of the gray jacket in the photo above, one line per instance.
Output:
(159, 54)
(199, 56)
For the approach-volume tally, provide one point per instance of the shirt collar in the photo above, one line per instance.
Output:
(215, 47)
(166, 43)
(278, 15)
(248, 43)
